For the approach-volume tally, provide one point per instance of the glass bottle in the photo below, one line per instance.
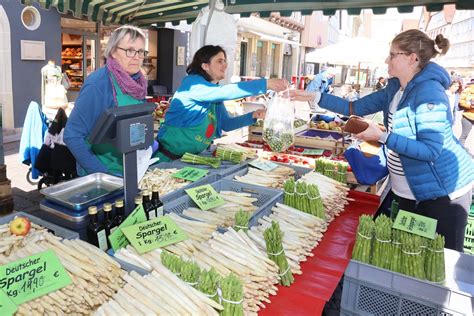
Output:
(148, 205)
(119, 214)
(109, 224)
(95, 230)
(155, 199)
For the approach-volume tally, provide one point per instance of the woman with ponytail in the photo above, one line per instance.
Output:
(431, 173)
(119, 83)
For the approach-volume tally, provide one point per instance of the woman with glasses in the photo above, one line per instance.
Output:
(431, 174)
(119, 83)
(197, 114)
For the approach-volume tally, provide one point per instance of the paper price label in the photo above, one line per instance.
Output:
(264, 165)
(190, 174)
(34, 276)
(205, 197)
(316, 152)
(153, 234)
(7, 307)
(416, 224)
(117, 238)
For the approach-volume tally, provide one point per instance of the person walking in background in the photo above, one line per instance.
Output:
(466, 103)
(322, 82)
(453, 95)
(431, 174)
(381, 83)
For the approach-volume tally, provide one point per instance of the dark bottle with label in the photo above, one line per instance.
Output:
(109, 224)
(148, 205)
(119, 213)
(155, 199)
(95, 230)
(138, 201)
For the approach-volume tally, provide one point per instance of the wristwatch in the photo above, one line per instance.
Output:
(383, 138)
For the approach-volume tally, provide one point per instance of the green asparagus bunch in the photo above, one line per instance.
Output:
(190, 273)
(242, 220)
(208, 283)
(273, 240)
(434, 261)
(396, 262)
(289, 195)
(232, 296)
(341, 173)
(172, 262)
(230, 155)
(200, 160)
(315, 202)
(382, 247)
(412, 260)
(363, 244)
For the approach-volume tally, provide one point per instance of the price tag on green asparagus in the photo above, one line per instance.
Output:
(264, 165)
(153, 234)
(7, 307)
(34, 276)
(315, 152)
(190, 174)
(117, 238)
(205, 197)
(415, 224)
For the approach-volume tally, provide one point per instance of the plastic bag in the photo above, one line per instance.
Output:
(278, 130)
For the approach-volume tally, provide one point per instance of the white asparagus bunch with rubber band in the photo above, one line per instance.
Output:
(163, 178)
(272, 179)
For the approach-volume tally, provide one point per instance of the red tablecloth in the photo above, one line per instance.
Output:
(321, 273)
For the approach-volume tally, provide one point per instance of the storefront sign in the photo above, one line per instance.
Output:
(205, 197)
(190, 174)
(153, 234)
(117, 238)
(34, 276)
(7, 307)
(264, 165)
(416, 224)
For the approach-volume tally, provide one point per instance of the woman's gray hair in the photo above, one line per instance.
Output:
(119, 34)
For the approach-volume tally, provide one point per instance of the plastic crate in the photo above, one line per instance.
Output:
(469, 235)
(171, 196)
(369, 290)
(299, 171)
(55, 229)
(266, 197)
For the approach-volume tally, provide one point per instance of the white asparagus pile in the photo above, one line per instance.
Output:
(96, 277)
(301, 233)
(163, 178)
(224, 215)
(158, 293)
(9, 242)
(271, 179)
(195, 230)
(333, 193)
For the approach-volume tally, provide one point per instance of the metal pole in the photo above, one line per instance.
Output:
(130, 181)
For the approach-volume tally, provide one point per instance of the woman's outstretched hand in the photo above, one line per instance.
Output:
(277, 84)
(259, 114)
(301, 95)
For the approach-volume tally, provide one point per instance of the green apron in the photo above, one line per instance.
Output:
(195, 139)
(106, 153)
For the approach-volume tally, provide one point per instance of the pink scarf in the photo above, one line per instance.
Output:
(135, 88)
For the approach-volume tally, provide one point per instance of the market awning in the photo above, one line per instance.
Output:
(157, 12)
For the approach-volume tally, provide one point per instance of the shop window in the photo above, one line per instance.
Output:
(31, 18)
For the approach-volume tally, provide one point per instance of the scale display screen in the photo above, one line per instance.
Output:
(137, 134)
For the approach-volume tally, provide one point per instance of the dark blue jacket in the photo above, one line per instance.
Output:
(434, 161)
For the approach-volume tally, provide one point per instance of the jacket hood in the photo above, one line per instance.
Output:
(433, 71)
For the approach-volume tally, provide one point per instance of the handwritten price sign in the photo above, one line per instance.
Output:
(32, 277)
(264, 165)
(153, 234)
(190, 174)
(7, 307)
(205, 197)
(416, 224)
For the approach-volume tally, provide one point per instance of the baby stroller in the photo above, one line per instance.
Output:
(43, 148)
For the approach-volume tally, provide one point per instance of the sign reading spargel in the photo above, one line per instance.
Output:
(153, 234)
(205, 197)
(416, 224)
(190, 174)
(34, 276)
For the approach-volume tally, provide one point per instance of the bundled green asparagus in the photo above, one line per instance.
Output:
(434, 261)
(336, 170)
(232, 296)
(273, 240)
(396, 262)
(382, 246)
(341, 172)
(242, 220)
(412, 260)
(304, 197)
(208, 283)
(200, 160)
(190, 273)
(363, 244)
(289, 195)
(172, 262)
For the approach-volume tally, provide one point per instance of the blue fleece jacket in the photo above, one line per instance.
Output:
(95, 97)
(192, 101)
(434, 161)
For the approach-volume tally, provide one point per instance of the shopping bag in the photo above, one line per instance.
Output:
(368, 161)
(278, 130)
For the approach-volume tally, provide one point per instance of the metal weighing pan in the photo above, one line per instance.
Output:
(79, 193)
